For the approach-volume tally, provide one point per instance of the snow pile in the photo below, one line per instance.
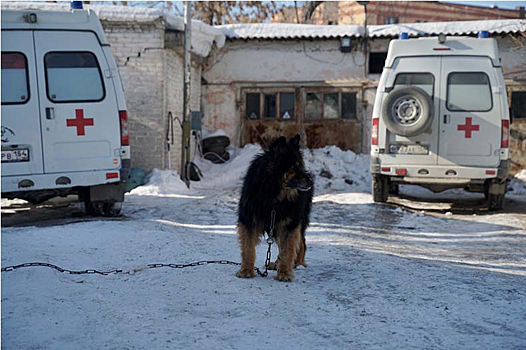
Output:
(333, 169)
(230, 174)
(337, 170)
(517, 185)
(215, 176)
(161, 182)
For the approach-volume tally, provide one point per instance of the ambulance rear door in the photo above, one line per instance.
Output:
(79, 112)
(470, 112)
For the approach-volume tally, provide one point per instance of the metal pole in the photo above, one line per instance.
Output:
(366, 61)
(185, 149)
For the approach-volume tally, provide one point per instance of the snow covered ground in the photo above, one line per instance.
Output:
(379, 276)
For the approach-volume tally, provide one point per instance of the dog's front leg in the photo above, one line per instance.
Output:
(248, 240)
(288, 250)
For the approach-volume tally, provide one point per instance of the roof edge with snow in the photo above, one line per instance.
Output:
(301, 31)
(203, 36)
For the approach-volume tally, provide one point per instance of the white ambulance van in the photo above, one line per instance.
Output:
(441, 118)
(64, 120)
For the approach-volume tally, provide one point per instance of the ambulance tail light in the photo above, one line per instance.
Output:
(401, 172)
(505, 139)
(374, 132)
(125, 135)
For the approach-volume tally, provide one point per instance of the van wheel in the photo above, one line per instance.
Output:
(407, 111)
(380, 188)
(495, 194)
(94, 209)
(111, 209)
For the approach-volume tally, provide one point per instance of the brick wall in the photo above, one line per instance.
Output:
(152, 78)
(139, 52)
(350, 12)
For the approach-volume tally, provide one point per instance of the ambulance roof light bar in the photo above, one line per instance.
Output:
(403, 36)
(76, 5)
(483, 34)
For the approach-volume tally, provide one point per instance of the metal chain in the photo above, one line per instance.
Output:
(270, 241)
(72, 272)
(116, 271)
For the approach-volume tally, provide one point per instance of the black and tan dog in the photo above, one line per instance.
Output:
(276, 180)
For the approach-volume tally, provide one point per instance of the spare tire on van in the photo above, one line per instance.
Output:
(407, 111)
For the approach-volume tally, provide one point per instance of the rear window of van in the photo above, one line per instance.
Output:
(425, 81)
(15, 86)
(468, 92)
(73, 77)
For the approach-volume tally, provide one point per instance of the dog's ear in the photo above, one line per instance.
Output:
(278, 146)
(295, 141)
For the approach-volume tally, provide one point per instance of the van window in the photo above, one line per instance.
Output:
(468, 92)
(15, 88)
(425, 81)
(73, 77)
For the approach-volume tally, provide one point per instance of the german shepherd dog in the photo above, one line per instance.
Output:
(276, 180)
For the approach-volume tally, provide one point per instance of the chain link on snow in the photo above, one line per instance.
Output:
(270, 241)
(117, 271)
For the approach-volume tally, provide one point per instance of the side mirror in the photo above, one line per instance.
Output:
(511, 115)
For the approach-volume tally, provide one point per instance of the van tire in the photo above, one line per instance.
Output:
(380, 188)
(111, 209)
(398, 105)
(495, 194)
(94, 209)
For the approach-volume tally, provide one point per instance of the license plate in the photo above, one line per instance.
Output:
(16, 155)
(408, 149)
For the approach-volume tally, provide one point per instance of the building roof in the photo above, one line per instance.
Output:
(203, 35)
(288, 31)
(297, 31)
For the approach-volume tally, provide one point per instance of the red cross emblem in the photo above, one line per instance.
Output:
(79, 122)
(468, 128)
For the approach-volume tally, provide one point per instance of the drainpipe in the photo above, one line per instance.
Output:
(185, 147)
(365, 37)
(365, 121)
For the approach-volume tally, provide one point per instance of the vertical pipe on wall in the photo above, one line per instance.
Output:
(185, 149)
